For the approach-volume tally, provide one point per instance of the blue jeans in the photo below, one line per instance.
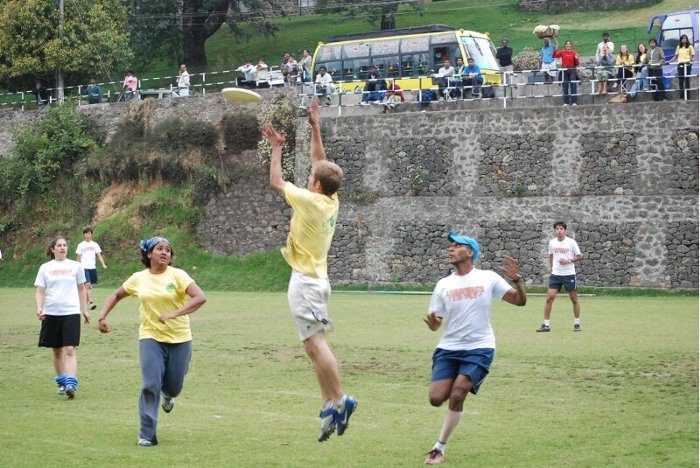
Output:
(163, 369)
(642, 82)
(568, 86)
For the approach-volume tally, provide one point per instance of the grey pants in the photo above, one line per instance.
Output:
(163, 369)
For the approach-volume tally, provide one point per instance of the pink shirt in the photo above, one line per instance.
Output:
(130, 82)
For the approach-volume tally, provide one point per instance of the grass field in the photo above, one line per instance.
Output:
(621, 393)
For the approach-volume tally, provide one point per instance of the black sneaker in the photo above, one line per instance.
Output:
(543, 328)
(577, 327)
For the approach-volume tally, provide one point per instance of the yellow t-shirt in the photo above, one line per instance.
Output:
(310, 231)
(161, 294)
(627, 61)
(684, 54)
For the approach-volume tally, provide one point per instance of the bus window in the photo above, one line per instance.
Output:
(328, 53)
(447, 52)
(332, 68)
(357, 69)
(670, 38)
(385, 48)
(415, 44)
(482, 51)
(388, 66)
(414, 65)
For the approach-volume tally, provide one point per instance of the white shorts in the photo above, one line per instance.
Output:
(308, 303)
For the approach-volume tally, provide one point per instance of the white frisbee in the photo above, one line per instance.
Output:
(241, 95)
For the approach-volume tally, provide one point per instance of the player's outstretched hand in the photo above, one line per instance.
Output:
(433, 321)
(313, 113)
(103, 326)
(510, 267)
(273, 136)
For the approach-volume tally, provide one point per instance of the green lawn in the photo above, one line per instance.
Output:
(623, 392)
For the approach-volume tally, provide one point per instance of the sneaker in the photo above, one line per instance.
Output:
(574, 104)
(328, 415)
(168, 404)
(577, 327)
(364, 103)
(565, 104)
(434, 457)
(145, 443)
(328, 101)
(61, 390)
(543, 328)
(93, 306)
(343, 414)
(70, 391)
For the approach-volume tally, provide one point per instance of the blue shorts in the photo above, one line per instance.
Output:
(556, 282)
(474, 363)
(91, 276)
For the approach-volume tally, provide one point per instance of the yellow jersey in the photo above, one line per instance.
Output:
(311, 230)
(685, 54)
(160, 294)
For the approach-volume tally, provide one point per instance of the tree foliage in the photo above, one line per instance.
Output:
(92, 40)
(375, 11)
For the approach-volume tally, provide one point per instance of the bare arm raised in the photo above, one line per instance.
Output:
(276, 140)
(317, 151)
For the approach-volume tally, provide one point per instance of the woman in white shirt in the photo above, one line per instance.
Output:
(60, 297)
(183, 81)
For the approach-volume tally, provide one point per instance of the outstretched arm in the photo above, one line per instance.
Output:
(276, 139)
(317, 151)
(111, 301)
(517, 295)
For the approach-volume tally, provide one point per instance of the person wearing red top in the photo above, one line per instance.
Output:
(569, 62)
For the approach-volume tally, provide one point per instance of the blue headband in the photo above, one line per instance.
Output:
(147, 244)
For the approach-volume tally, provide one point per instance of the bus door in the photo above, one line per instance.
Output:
(443, 47)
(670, 28)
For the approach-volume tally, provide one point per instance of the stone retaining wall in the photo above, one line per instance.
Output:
(625, 180)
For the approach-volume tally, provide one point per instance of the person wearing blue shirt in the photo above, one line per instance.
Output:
(549, 65)
(471, 77)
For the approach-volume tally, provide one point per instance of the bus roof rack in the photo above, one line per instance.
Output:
(392, 32)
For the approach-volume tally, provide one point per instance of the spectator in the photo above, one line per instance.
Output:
(93, 92)
(375, 87)
(549, 65)
(443, 76)
(505, 56)
(324, 85)
(130, 86)
(471, 77)
(249, 75)
(305, 66)
(394, 97)
(640, 65)
(605, 70)
(569, 62)
(41, 93)
(283, 67)
(605, 42)
(292, 71)
(625, 64)
(261, 74)
(183, 81)
(685, 55)
(655, 60)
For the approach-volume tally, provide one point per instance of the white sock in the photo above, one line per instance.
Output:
(577, 321)
(451, 420)
(546, 323)
(440, 446)
(340, 404)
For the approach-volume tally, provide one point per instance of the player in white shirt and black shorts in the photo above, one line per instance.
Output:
(563, 253)
(464, 354)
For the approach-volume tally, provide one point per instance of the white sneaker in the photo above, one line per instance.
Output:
(574, 104)
(328, 416)
(565, 105)
(145, 443)
(364, 103)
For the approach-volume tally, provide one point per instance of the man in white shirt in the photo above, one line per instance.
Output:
(464, 354)
(443, 76)
(249, 73)
(262, 74)
(605, 42)
(563, 253)
(324, 84)
(183, 81)
(87, 251)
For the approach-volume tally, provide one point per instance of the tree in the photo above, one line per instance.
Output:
(177, 30)
(375, 11)
(93, 38)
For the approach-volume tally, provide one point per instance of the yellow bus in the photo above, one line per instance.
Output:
(410, 55)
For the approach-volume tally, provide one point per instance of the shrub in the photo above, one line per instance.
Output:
(280, 112)
(241, 132)
(527, 59)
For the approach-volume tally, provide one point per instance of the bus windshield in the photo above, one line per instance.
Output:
(481, 50)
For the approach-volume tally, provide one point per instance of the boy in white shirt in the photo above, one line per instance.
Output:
(87, 250)
(563, 253)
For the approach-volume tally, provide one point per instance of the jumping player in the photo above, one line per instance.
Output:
(315, 210)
